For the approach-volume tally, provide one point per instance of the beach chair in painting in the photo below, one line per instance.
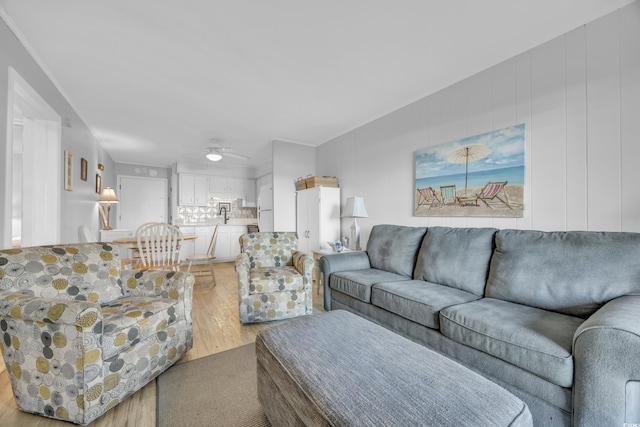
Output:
(448, 192)
(491, 191)
(427, 197)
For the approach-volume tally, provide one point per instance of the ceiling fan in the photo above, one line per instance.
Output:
(216, 152)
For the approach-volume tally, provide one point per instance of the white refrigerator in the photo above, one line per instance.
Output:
(265, 208)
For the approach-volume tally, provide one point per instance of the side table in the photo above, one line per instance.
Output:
(319, 253)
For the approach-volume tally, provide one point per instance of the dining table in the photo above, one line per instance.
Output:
(131, 244)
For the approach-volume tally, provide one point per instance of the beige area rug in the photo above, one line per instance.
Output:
(217, 390)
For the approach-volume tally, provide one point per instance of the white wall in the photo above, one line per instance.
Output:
(290, 161)
(80, 205)
(579, 96)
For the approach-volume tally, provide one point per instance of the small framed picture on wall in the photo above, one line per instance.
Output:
(68, 171)
(83, 169)
(98, 183)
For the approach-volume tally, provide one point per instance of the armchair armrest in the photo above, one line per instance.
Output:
(607, 367)
(243, 265)
(339, 262)
(304, 263)
(23, 307)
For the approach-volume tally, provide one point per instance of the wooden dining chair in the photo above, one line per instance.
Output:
(208, 257)
(159, 246)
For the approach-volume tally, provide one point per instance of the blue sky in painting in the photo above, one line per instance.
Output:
(507, 150)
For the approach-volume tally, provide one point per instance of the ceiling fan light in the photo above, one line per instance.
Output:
(214, 157)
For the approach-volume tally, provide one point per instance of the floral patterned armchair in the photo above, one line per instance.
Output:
(274, 278)
(79, 335)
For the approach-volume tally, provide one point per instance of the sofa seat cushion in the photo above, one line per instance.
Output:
(130, 320)
(358, 283)
(418, 300)
(536, 340)
(270, 280)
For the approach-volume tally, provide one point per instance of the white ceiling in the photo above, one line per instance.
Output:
(156, 80)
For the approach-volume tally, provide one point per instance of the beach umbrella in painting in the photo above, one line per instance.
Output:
(466, 154)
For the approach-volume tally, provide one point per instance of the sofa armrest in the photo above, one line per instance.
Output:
(607, 367)
(339, 262)
(175, 285)
(21, 307)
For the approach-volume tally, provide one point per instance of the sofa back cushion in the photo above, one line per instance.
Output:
(82, 271)
(573, 272)
(270, 249)
(394, 247)
(456, 257)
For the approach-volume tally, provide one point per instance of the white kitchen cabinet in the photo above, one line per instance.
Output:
(250, 193)
(193, 189)
(225, 187)
(317, 218)
(200, 245)
(203, 238)
(201, 190)
(227, 245)
(235, 186)
(186, 184)
(187, 247)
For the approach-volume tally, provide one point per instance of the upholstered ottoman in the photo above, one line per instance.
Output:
(338, 369)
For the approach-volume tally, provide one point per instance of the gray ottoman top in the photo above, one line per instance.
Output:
(358, 373)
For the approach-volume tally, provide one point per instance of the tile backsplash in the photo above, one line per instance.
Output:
(196, 214)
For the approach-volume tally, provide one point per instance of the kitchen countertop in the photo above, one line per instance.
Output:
(231, 222)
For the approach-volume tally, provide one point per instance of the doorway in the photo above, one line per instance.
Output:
(141, 200)
(32, 170)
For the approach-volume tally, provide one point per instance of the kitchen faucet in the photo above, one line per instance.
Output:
(226, 214)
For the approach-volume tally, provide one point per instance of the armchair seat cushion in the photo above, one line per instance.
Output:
(269, 280)
(128, 321)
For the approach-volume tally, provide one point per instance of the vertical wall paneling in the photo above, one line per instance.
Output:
(603, 123)
(629, 117)
(457, 128)
(576, 107)
(523, 115)
(503, 111)
(479, 102)
(579, 97)
(436, 110)
(548, 148)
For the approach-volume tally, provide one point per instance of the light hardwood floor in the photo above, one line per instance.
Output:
(216, 328)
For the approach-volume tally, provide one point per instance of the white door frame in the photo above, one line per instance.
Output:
(19, 91)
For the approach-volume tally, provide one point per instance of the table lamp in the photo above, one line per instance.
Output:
(107, 197)
(355, 209)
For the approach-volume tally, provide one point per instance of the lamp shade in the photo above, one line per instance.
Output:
(355, 208)
(108, 196)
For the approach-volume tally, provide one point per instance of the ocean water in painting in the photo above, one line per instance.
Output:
(515, 175)
(493, 156)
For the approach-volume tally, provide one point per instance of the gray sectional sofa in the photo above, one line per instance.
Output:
(553, 317)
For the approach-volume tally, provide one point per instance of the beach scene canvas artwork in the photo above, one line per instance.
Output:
(481, 175)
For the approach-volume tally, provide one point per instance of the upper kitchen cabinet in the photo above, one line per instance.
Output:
(193, 190)
(186, 189)
(224, 187)
(250, 192)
